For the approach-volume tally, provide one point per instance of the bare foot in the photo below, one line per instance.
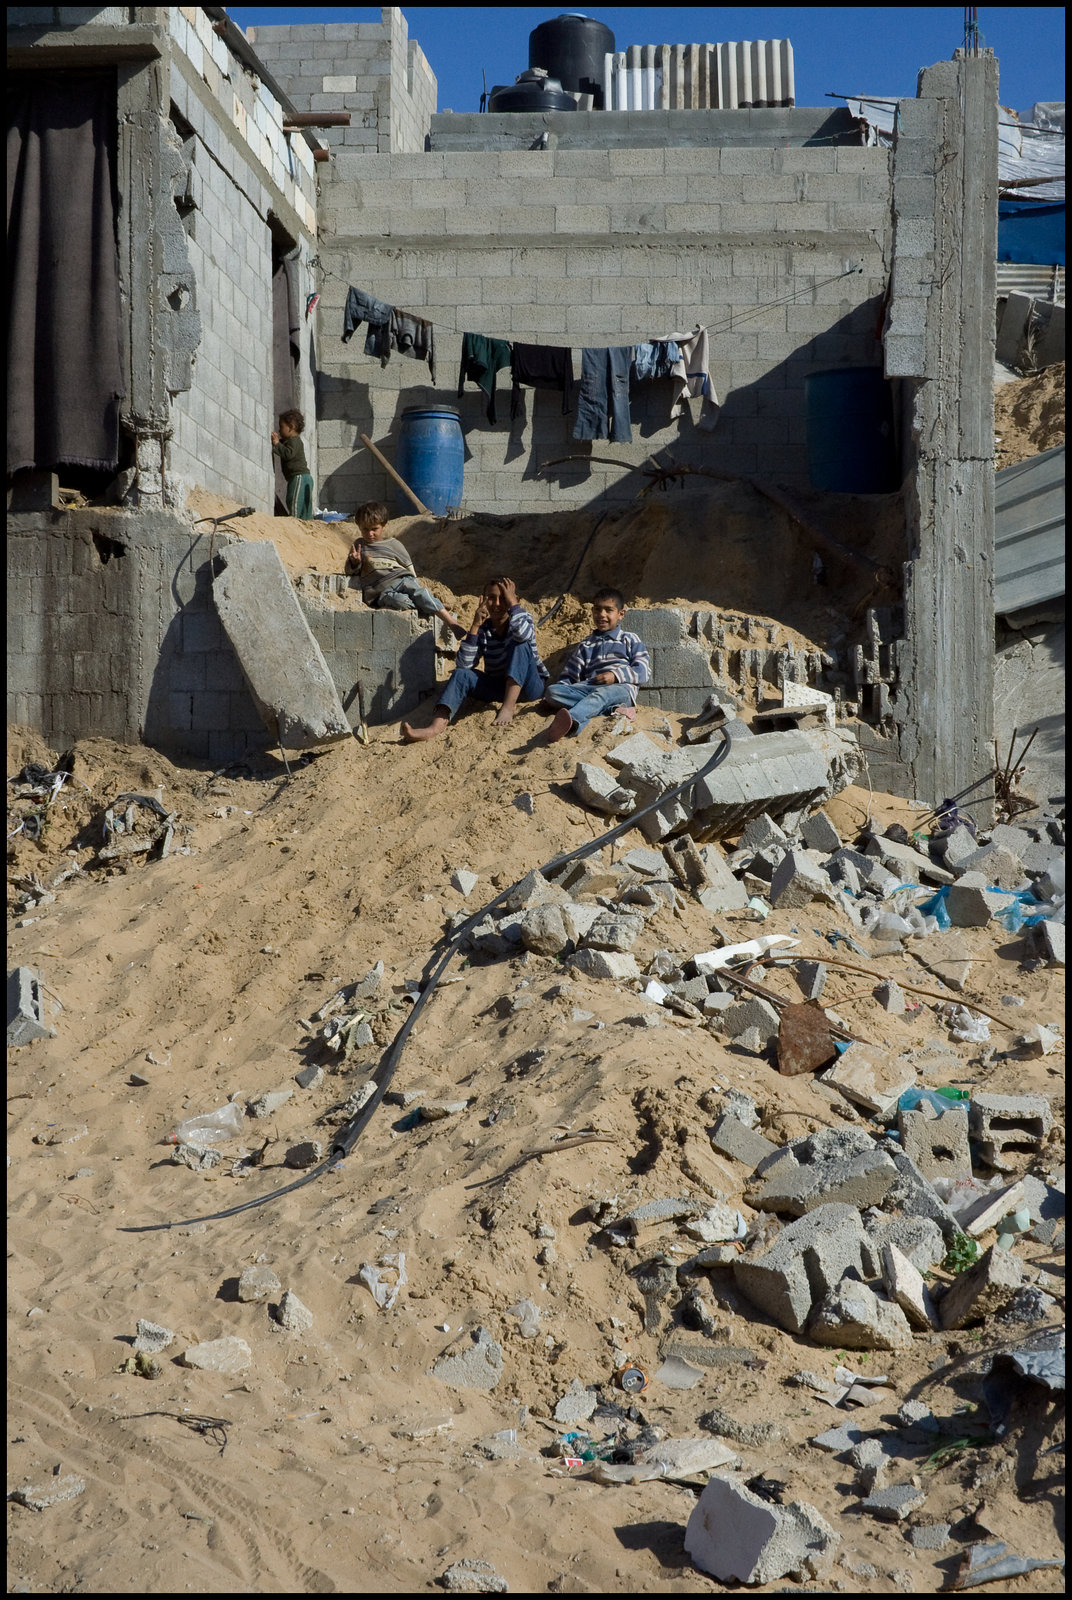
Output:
(505, 717)
(560, 726)
(457, 628)
(412, 735)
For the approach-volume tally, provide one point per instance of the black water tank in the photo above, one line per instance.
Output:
(533, 91)
(571, 48)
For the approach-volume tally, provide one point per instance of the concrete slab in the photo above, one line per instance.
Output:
(870, 1078)
(282, 662)
(835, 1165)
(809, 1258)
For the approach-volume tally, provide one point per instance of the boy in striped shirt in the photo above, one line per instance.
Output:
(505, 635)
(601, 672)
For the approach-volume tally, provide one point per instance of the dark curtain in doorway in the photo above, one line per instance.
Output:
(64, 368)
(286, 348)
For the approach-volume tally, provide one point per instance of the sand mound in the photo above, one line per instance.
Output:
(1029, 416)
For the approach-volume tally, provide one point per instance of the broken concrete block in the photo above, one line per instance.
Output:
(731, 1137)
(600, 791)
(913, 1195)
(835, 1441)
(955, 848)
(946, 955)
(917, 1423)
(464, 881)
(266, 1104)
(908, 865)
(929, 1535)
(919, 1239)
(533, 890)
(870, 1078)
(38, 1497)
(605, 964)
(904, 1285)
(817, 832)
(473, 1577)
(797, 881)
(543, 930)
(25, 1016)
(937, 1142)
(804, 1040)
(752, 1012)
(971, 904)
(891, 997)
(811, 976)
(894, 1505)
(1008, 1125)
(614, 933)
(651, 862)
(852, 1316)
(1047, 939)
(577, 1404)
(724, 892)
(477, 1365)
(638, 747)
(577, 919)
(999, 867)
(306, 1154)
(773, 773)
(739, 1538)
(292, 1315)
(841, 1165)
(981, 1290)
(287, 675)
(990, 1209)
(228, 1356)
(152, 1338)
(257, 1283)
(808, 1258)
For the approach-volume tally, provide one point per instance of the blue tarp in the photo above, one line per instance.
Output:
(1031, 233)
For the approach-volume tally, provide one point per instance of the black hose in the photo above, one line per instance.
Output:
(344, 1141)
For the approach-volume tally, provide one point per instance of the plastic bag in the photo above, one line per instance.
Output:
(530, 1318)
(210, 1127)
(385, 1279)
(941, 1099)
(966, 1026)
(936, 907)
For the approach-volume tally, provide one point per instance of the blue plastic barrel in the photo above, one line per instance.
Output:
(431, 458)
(851, 446)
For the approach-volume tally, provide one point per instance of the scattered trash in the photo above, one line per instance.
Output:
(989, 1563)
(632, 1378)
(210, 1127)
(529, 1317)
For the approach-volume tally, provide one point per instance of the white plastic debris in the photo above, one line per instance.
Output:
(656, 991)
(968, 1027)
(711, 960)
(385, 1279)
(530, 1318)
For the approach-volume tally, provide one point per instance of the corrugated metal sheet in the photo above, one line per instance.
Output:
(700, 77)
(1029, 530)
(1041, 283)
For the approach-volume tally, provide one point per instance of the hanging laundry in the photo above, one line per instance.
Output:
(482, 360)
(655, 359)
(692, 379)
(414, 336)
(362, 307)
(603, 406)
(542, 367)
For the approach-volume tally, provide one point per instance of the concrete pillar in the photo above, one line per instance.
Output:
(939, 337)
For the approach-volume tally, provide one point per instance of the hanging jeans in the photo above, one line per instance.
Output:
(522, 668)
(603, 407)
(584, 701)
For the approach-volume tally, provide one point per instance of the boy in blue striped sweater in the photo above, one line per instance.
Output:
(601, 672)
(505, 635)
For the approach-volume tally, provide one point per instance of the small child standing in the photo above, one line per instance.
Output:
(288, 445)
(386, 571)
(601, 672)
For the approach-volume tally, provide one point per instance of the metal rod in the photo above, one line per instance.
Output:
(402, 484)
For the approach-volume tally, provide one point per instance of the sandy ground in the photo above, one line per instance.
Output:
(1029, 416)
(347, 1467)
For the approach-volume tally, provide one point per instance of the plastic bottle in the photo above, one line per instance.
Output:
(210, 1127)
(940, 1099)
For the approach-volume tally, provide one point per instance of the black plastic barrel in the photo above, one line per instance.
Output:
(851, 446)
(431, 458)
(533, 91)
(571, 48)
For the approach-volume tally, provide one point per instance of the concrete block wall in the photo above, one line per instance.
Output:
(783, 253)
(373, 70)
(391, 654)
(243, 168)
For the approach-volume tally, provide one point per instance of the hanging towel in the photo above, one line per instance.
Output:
(414, 336)
(691, 376)
(656, 359)
(362, 307)
(482, 359)
(542, 366)
(603, 406)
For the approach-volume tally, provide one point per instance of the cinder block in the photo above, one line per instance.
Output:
(1007, 1125)
(982, 1290)
(937, 1144)
(833, 1165)
(25, 1015)
(752, 1012)
(730, 1137)
(809, 1258)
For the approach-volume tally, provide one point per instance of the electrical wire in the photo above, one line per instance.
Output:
(346, 1138)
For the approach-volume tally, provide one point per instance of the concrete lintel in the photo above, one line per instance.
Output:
(89, 45)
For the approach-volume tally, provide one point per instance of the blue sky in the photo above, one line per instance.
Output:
(844, 49)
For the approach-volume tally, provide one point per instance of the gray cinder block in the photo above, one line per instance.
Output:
(25, 1020)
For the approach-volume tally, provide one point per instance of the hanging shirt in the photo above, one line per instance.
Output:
(414, 336)
(623, 654)
(482, 360)
(362, 307)
(542, 366)
(603, 406)
(656, 359)
(692, 380)
(496, 648)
